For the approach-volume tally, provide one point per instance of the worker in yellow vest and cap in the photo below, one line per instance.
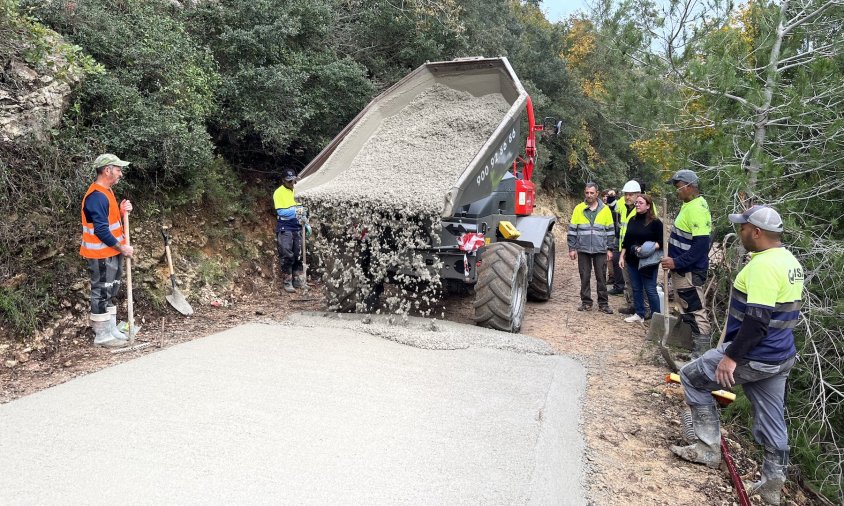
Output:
(289, 219)
(758, 353)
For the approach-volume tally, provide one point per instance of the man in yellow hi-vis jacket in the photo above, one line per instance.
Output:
(591, 239)
(758, 352)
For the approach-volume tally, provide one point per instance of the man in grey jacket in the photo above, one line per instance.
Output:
(591, 239)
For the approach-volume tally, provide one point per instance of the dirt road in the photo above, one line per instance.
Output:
(630, 414)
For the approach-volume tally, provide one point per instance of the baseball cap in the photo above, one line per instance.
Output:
(288, 175)
(763, 217)
(684, 176)
(109, 159)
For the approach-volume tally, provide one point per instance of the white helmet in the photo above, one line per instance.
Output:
(631, 186)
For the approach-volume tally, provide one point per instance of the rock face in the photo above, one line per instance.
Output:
(32, 100)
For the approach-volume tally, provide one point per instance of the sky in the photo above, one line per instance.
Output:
(556, 10)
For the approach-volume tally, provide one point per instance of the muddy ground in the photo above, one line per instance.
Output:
(630, 415)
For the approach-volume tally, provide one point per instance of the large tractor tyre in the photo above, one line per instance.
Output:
(542, 282)
(501, 290)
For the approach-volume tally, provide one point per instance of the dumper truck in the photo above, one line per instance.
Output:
(488, 238)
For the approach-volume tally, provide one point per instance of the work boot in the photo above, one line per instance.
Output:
(627, 310)
(299, 280)
(770, 486)
(616, 291)
(706, 447)
(702, 344)
(112, 316)
(288, 284)
(101, 323)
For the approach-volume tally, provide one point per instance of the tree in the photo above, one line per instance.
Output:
(761, 119)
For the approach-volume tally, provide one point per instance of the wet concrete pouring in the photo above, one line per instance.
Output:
(378, 213)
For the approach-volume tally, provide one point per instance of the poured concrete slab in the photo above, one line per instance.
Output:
(308, 413)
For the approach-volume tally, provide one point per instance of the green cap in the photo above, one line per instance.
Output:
(109, 159)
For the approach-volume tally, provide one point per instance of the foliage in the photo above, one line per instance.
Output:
(759, 117)
(151, 105)
(283, 89)
(24, 37)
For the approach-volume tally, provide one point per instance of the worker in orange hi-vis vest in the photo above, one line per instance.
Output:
(104, 245)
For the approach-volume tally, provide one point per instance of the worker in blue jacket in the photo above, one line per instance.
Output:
(758, 353)
(290, 215)
(688, 256)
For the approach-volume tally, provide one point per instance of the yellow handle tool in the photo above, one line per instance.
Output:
(722, 396)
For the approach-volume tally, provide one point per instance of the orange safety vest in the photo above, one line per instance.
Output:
(92, 246)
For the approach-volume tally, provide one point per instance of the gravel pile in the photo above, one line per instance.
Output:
(375, 215)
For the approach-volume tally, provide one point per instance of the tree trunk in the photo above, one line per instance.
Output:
(763, 112)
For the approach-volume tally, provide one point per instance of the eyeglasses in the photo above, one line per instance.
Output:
(641, 203)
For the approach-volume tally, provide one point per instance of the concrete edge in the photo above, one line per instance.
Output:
(425, 333)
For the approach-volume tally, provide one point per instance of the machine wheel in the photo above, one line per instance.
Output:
(501, 290)
(542, 282)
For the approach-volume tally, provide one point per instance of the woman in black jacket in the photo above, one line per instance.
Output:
(643, 227)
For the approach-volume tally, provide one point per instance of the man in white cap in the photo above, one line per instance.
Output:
(104, 245)
(688, 256)
(758, 352)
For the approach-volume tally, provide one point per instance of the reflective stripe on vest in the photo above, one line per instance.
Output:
(90, 245)
(772, 279)
(592, 237)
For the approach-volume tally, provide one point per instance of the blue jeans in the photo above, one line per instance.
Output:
(643, 282)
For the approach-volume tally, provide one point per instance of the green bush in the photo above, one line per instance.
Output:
(283, 91)
(151, 103)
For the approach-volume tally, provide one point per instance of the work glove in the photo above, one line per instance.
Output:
(308, 230)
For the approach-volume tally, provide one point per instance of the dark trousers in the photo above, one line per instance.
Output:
(105, 276)
(586, 262)
(289, 250)
(617, 274)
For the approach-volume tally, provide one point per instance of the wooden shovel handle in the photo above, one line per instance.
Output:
(129, 301)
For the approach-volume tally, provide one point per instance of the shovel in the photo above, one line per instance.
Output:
(665, 315)
(175, 297)
(130, 330)
(305, 287)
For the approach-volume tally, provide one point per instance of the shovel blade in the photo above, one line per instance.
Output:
(179, 303)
